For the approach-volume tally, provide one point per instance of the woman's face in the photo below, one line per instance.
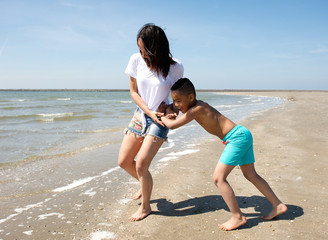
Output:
(143, 52)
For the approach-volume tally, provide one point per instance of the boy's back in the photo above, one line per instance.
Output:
(210, 119)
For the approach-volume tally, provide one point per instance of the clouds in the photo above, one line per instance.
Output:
(320, 49)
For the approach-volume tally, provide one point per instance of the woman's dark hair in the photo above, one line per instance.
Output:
(184, 86)
(157, 48)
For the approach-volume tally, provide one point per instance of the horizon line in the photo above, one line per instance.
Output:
(126, 90)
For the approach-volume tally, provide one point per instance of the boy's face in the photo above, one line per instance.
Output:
(181, 101)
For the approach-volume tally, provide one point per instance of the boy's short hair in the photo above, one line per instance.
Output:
(184, 86)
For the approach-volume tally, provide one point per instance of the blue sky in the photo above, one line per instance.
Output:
(237, 44)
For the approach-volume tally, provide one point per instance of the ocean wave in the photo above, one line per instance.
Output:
(126, 101)
(12, 100)
(229, 106)
(63, 99)
(55, 115)
(61, 117)
(106, 130)
(39, 116)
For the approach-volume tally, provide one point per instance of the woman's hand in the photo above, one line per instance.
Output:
(156, 116)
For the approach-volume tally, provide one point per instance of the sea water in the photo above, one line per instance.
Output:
(38, 125)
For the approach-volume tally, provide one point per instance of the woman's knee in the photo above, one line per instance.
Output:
(124, 162)
(141, 167)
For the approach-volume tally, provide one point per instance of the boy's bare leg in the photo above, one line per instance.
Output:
(277, 206)
(129, 148)
(146, 154)
(220, 179)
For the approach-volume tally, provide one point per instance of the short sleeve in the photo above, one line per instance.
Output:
(131, 68)
(177, 71)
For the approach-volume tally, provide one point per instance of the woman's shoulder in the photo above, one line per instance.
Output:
(177, 67)
(135, 56)
(177, 62)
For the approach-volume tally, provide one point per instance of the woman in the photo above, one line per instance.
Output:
(152, 72)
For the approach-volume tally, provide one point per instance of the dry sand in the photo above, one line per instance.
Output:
(291, 149)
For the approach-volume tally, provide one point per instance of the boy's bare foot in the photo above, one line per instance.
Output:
(233, 223)
(137, 195)
(279, 209)
(140, 214)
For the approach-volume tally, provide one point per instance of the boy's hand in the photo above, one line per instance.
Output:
(171, 116)
(170, 113)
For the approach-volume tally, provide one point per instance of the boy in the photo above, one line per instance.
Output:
(238, 150)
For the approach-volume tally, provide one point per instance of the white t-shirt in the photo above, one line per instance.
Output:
(153, 88)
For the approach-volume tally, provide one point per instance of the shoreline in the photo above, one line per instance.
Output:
(289, 142)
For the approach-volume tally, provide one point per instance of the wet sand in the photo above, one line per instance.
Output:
(291, 149)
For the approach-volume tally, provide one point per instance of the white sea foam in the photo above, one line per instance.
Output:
(228, 106)
(165, 159)
(55, 115)
(125, 101)
(63, 99)
(170, 145)
(82, 181)
(28, 232)
(185, 152)
(26, 208)
(74, 184)
(124, 201)
(45, 216)
(105, 224)
(110, 170)
(172, 132)
(100, 235)
(90, 192)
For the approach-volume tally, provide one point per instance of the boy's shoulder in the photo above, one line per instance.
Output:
(199, 106)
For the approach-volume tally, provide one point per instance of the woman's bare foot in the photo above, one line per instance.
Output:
(137, 195)
(279, 209)
(140, 214)
(233, 223)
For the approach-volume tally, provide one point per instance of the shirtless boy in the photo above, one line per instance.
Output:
(238, 150)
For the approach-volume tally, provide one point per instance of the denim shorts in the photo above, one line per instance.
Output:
(151, 128)
(239, 147)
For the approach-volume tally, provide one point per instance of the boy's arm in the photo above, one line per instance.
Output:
(182, 120)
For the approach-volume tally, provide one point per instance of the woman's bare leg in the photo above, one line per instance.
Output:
(146, 154)
(129, 148)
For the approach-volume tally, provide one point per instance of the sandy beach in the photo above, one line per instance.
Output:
(291, 149)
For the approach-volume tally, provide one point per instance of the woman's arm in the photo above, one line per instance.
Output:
(138, 100)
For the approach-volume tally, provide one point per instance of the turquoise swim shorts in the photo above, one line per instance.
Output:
(239, 147)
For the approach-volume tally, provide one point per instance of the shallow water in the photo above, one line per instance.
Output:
(48, 124)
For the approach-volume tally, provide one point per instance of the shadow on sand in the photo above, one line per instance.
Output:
(212, 203)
